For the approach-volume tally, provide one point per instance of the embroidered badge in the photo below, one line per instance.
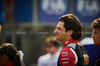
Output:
(86, 59)
(66, 42)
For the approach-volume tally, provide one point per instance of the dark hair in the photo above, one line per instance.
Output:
(72, 23)
(9, 50)
(53, 41)
(96, 23)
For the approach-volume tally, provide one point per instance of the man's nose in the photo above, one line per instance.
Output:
(55, 31)
(92, 35)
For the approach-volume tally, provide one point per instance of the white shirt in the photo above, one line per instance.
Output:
(48, 60)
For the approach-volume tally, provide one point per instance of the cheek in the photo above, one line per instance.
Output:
(47, 49)
(53, 49)
(97, 37)
(61, 33)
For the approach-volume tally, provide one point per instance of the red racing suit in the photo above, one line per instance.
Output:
(68, 56)
(9, 64)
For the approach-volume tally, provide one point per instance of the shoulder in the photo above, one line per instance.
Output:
(68, 52)
(56, 55)
(44, 57)
(66, 49)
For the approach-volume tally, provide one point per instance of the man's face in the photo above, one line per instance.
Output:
(61, 35)
(96, 36)
(51, 48)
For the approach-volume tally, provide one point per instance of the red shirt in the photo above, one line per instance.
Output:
(9, 64)
(67, 56)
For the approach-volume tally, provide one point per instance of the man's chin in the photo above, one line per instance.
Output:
(57, 39)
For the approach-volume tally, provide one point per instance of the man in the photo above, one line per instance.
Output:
(50, 59)
(96, 35)
(69, 30)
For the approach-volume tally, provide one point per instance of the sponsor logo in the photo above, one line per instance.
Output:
(86, 59)
(65, 62)
(64, 54)
(66, 42)
(65, 59)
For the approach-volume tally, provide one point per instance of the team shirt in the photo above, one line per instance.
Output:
(9, 64)
(68, 56)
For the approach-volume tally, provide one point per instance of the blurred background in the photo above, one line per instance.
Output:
(27, 23)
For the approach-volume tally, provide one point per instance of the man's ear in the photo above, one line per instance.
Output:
(5, 59)
(69, 32)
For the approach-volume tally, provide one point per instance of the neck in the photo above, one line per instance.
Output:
(53, 53)
(70, 41)
(66, 39)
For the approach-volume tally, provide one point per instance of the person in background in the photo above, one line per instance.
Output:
(9, 56)
(96, 35)
(68, 31)
(50, 59)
